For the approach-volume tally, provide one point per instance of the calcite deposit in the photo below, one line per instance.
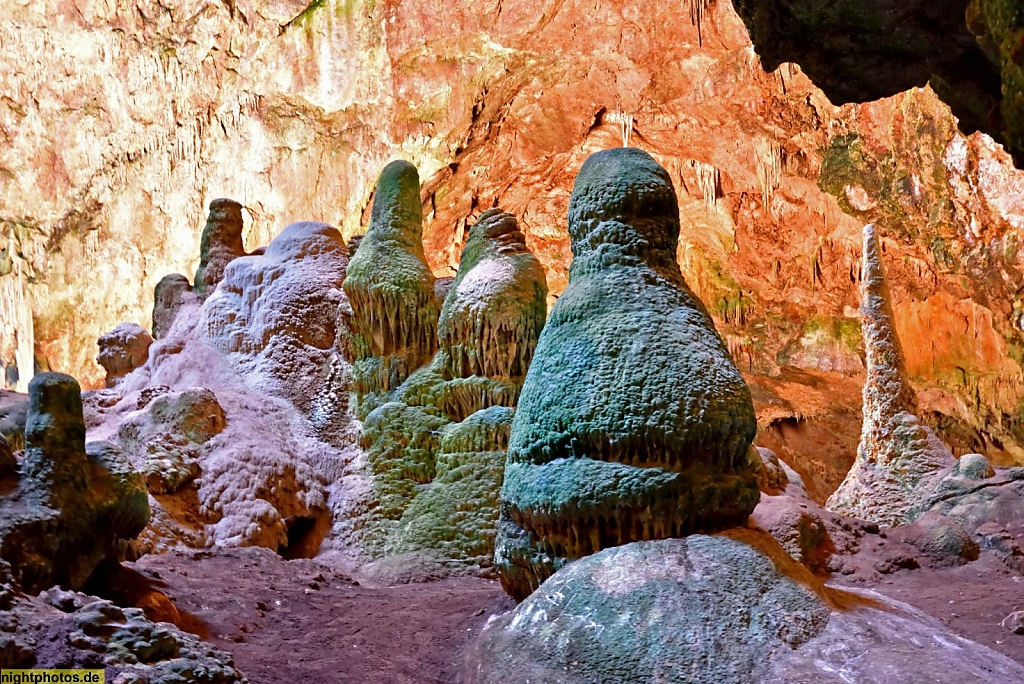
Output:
(435, 443)
(391, 289)
(221, 244)
(70, 505)
(896, 452)
(633, 423)
(122, 350)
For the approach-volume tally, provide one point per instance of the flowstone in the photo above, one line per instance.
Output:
(897, 453)
(633, 422)
(391, 290)
(435, 443)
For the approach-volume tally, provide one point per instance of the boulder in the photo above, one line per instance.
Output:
(122, 350)
(170, 295)
(633, 422)
(725, 609)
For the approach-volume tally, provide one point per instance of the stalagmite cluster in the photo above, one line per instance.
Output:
(633, 422)
(896, 452)
(391, 290)
(446, 423)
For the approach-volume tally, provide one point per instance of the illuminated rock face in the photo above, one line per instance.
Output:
(292, 108)
(897, 452)
(633, 423)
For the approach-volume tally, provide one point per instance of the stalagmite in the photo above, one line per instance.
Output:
(391, 290)
(633, 421)
(221, 244)
(896, 452)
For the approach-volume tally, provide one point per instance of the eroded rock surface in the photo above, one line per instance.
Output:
(221, 244)
(634, 423)
(897, 453)
(67, 629)
(122, 350)
(72, 505)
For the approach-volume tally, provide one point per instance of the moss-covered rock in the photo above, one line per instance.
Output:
(73, 505)
(458, 514)
(220, 245)
(391, 288)
(633, 422)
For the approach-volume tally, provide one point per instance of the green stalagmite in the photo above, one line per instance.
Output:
(391, 290)
(633, 422)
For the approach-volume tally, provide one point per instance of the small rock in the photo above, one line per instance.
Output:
(1014, 622)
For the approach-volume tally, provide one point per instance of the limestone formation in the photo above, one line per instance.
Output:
(447, 424)
(391, 290)
(896, 451)
(168, 297)
(74, 505)
(495, 308)
(221, 244)
(633, 422)
(122, 350)
(729, 609)
(66, 629)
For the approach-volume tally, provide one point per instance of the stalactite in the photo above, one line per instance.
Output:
(768, 162)
(709, 180)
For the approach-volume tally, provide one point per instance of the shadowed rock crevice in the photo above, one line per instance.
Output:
(633, 423)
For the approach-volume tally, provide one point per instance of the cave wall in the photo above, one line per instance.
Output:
(119, 122)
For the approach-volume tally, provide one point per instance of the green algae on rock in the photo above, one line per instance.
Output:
(391, 290)
(496, 306)
(73, 504)
(633, 422)
(435, 442)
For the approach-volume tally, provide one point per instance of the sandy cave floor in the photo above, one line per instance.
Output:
(301, 621)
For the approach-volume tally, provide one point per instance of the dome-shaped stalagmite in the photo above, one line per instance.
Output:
(633, 422)
(495, 308)
(391, 290)
(896, 451)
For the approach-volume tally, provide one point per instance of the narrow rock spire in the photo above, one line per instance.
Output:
(896, 452)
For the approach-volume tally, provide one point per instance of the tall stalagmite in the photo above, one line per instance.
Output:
(633, 422)
(221, 244)
(391, 289)
(896, 452)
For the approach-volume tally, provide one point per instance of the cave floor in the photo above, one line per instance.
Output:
(302, 621)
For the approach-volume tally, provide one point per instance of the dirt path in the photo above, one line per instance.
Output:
(298, 622)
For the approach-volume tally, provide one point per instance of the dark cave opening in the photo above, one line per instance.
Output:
(305, 534)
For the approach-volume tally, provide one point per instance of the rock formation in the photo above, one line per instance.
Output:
(633, 422)
(169, 295)
(221, 244)
(67, 629)
(730, 609)
(391, 290)
(896, 452)
(73, 504)
(435, 446)
(239, 417)
(122, 350)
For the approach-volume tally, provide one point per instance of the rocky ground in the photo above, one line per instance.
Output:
(304, 620)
